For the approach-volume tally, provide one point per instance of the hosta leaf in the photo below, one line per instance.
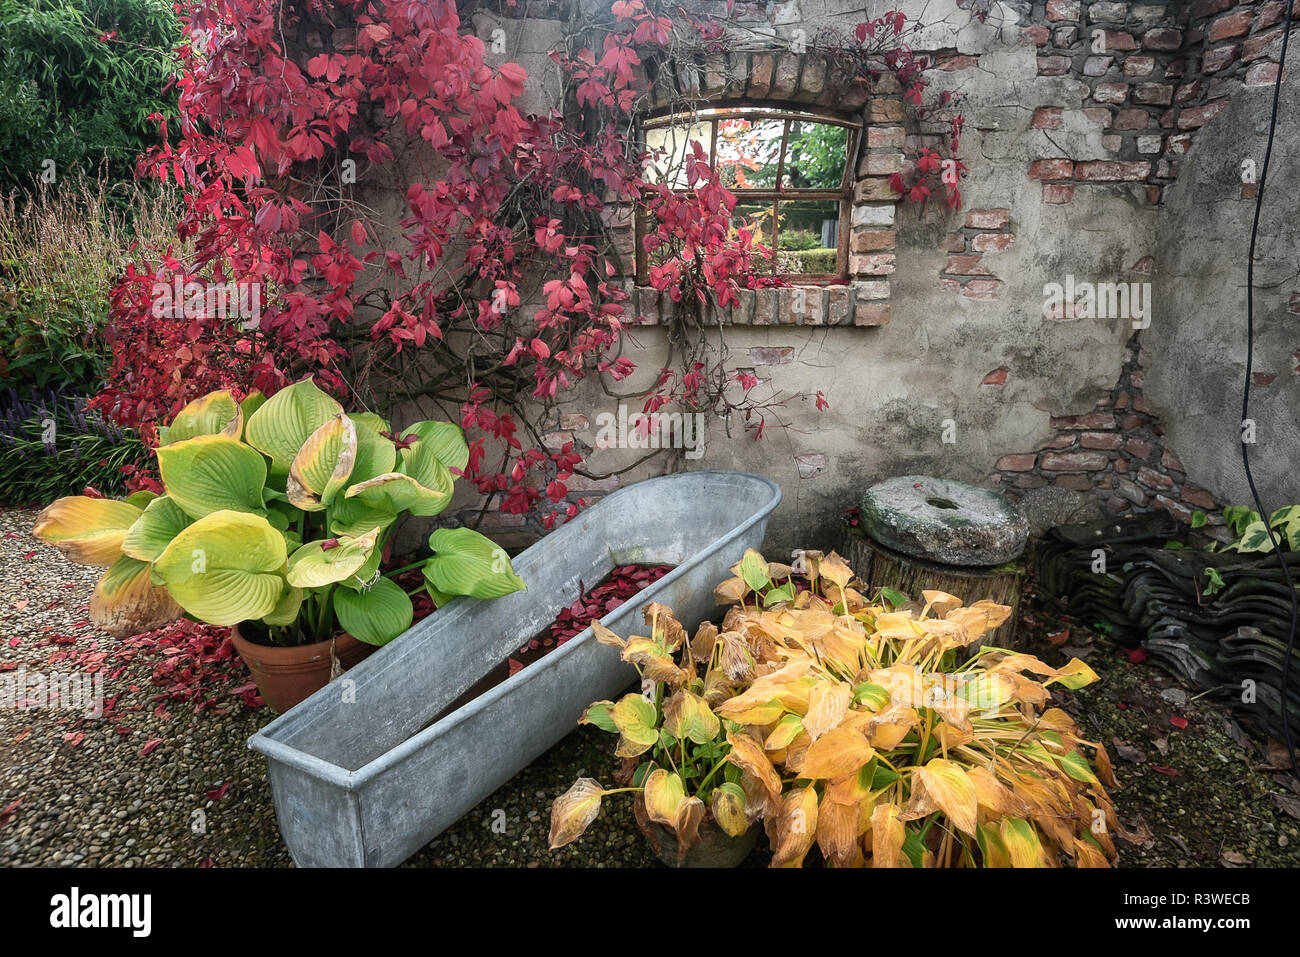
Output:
(947, 787)
(992, 850)
(250, 404)
(786, 730)
(873, 696)
(887, 837)
(401, 493)
(140, 499)
(753, 569)
(688, 716)
(315, 564)
(89, 531)
(1074, 675)
(375, 454)
(574, 810)
(838, 752)
(286, 609)
(161, 521)
(427, 471)
(1022, 843)
(598, 714)
(213, 473)
(323, 465)
(635, 718)
(1076, 766)
(375, 616)
(126, 603)
(445, 441)
(284, 422)
(747, 754)
(216, 413)
(828, 703)
(467, 563)
(225, 568)
(664, 794)
(352, 516)
(795, 828)
(729, 809)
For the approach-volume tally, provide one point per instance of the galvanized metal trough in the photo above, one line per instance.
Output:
(360, 776)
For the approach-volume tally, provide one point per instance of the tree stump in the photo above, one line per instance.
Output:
(883, 567)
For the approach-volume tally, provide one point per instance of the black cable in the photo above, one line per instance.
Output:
(1245, 398)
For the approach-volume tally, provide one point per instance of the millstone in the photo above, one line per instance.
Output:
(943, 521)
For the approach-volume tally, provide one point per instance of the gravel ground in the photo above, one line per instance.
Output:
(89, 797)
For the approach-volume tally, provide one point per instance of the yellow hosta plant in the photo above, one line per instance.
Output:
(275, 513)
(865, 728)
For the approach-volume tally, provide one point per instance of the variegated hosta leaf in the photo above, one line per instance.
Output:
(887, 837)
(943, 785)
(89, 531)
(728, 809)
(747, 754)
(216, 413)
(636, 720)
(213, 473)
(225, 568)
(284, 422)
(838, 752)
(126, 603)
(786, 730)
(664, 794)
(795, 828)
(161, 521)
(837, 833)
(688, 716)
(331, 560)
(574, 810)
(323, 465)
(827, 704)
(400, 492)
(1022, 843)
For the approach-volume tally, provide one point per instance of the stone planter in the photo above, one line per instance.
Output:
(361, 772)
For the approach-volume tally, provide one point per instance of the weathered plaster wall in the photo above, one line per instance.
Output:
(1113, 166)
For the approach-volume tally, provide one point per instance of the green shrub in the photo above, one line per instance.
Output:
(814, 261)
(51, 445)
(78, 82)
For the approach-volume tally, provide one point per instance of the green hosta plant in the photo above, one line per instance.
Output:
(275, 512)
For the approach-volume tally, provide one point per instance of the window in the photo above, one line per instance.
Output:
(791, 173)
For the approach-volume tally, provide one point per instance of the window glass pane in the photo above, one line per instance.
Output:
(808, 236)
(669, 146)
(748, 151)
(757, 216)
(815, 155)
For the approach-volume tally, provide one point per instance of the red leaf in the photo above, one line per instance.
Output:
(150, 745)
(1137, 655)
(1177, 722)
(218, 793)
(1171, 772)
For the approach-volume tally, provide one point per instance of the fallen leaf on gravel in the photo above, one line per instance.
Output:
(1137, 655)
(9, 812)
(1276, 755)
(1077, 651)
(1128, 752)
(1171, 772)
(20, 605)
(22, 735)
(1162, 745)
(1236, 733)
(123, 730)
(12, 535)
(1058, 639)
(1288, 803)
(75, 738)
(15, 641)
(218, 793)
(1233, 859)
(1177, 722)
(150, 745)
(1139, 833)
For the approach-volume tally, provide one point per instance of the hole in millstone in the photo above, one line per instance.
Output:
(941, 503)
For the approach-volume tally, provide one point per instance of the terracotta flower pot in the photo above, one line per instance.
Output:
(286, 675)
(716, 848)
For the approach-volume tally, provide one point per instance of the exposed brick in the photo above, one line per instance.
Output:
(1138, 448)
(873, 215)
(1160, 94)
(992, 242)
(1220, 58)
(1208, 8)
(1029, 481)
(1102, 116)
(871, 240)
(877, 264)
(1253, 48)
(884, 137)
(760, 74)
(1062, 10)
(1088, 420)
(1235, 24)
(1064, 441)
(1112, 172)
(771, 355)
(1036, 35)
(1269, 14)
(871, 289)
(574, 422)
(1074, 461)
(956, 61)
(996, 377)
(1149, 145)
(954, 243)
(1198, 497)
(1101, 440)
(1053, 65)
(884, 110)
(1180, 512)
(1168, 460)
(1057, 194)
(1130, 491)
(1079, 483)
(1121, 465)
(966, 266)
(1195, 117)
(1110, 92)
(1059, 168)
(1261, 74)
(873, 190)
(871, 314)
(1097, 65)
(1162, 39)
(839, 305)
(1120, 41)
(881, 164)
(1046, 118)
(1107, 12)
(1130, 120)
(982, 289)
(1262, 378)
(1017, 463)
(1138, 66)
